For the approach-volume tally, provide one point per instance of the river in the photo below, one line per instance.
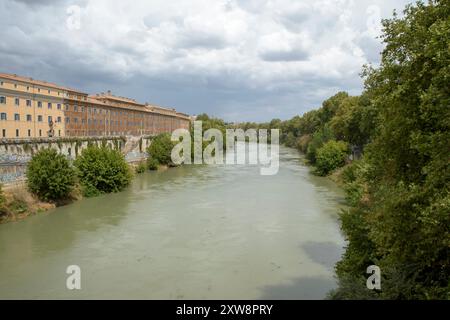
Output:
(191, 232)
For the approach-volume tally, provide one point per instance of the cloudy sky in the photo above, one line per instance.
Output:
(242, 60)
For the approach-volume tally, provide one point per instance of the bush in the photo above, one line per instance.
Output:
(303, 142)
(102, 170)
(160, 149)
(317, 141)
(152, 164)
(50, 175)
(141, 167)
(2, 201)
(331, 156)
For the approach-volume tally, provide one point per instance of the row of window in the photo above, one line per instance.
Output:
(4, 116)
(28, 103)
(75, 108)
(100, 122)
(28, 133)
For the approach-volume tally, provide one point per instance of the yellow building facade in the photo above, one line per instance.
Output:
(32, 108)
(28, 106)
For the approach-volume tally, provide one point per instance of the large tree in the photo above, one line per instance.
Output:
(402, 221)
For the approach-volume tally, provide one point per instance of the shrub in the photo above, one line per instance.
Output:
(102, 170)
(152, 164)
(2, 201)
(50, 175)
(160, 149)
(303, 142)
(140, 168)
(317, 141)
(331, 156)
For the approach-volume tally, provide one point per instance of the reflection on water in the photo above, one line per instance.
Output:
(193, 232)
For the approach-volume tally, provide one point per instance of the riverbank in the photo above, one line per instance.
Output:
(19, 203)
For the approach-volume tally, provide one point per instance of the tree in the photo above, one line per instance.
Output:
(402, 221)
(50, 175)
(330, 156)
(160, 149)
(318, 139)
(102, 170)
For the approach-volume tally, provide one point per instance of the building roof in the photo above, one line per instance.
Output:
(104, 99)
(35, 82)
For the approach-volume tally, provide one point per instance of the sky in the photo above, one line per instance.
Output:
(240, 60)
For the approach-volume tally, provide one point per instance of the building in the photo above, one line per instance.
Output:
(32, 108)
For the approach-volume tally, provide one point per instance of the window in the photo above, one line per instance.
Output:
(3, 130)
(67, 107)
(3, 100)
(49, 91)
(29, 117)
(49, 119)
(39, 89)
(82, 109)
(40, 133)
(49, 105)
(28, 103)
(28, 88)
(17, 132)
(1, 83)
(58, 106)
(59, 133)
(3, 116)
(83, 120)
(15, 85)
(67, 119)
(58, 119)
(39, 118)
(16, 117)
(39, 104)
(29, 132)
(75, 120)
(75, 108)
(17, 101)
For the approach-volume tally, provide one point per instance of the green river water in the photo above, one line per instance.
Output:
(192, 232)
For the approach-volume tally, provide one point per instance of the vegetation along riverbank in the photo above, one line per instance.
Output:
(398, 132)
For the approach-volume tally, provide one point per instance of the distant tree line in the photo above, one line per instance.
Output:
(399, 191)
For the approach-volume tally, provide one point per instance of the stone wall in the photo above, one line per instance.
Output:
(15, 154)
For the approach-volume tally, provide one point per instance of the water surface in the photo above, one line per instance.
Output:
(192, 232)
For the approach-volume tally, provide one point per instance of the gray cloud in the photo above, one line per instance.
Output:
(241, 60)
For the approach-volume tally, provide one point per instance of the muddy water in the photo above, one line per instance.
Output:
(193, 232)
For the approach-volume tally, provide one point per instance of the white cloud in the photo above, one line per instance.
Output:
(297, 49)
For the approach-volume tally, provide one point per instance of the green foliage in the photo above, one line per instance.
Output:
(50, 175)
(140, 168)
(152, 164)
(318, 139)
(160, 149)
(102, 170)
(303, 142)
(354, 182)
(2, 201)
(18, 206)
(400, 221)
(330, 156)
